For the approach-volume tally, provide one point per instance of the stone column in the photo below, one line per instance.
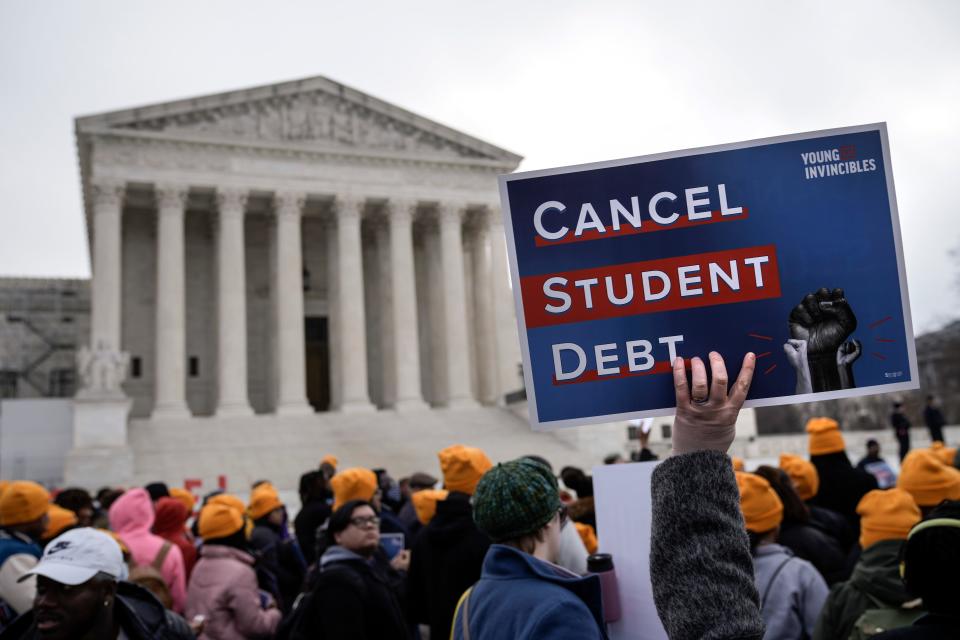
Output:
(171, 351)
(508, 342)
(354, 394)
(485, 322)
(405, 322)
(107, 248)
(291, 347)
(454, 307)
(232, 308)
(333, 312)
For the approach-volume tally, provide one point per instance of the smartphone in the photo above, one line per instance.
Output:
(392, 544)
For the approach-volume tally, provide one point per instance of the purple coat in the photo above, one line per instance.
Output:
(223, 589)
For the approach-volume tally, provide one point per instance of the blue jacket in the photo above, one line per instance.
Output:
(519, 597)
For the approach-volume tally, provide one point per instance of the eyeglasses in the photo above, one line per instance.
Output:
(361, 521)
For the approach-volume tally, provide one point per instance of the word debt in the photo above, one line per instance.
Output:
(668, 284)
(632, 358)
(554, 223)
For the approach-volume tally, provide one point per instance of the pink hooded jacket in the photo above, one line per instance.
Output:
(223, 589)
(131, 518)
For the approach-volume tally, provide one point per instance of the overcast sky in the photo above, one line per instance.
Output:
(558, 82)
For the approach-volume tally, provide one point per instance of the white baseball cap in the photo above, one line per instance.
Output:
(78, 555)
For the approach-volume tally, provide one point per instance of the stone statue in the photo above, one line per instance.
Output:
(102, 370)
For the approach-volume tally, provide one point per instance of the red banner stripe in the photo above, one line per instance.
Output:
(536, 300)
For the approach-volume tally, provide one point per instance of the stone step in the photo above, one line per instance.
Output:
(280, 448)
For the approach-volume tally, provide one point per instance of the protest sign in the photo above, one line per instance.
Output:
(788, 247)
(624, 506)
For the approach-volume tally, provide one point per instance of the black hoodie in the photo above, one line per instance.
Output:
(445, 561)
(140, 614)
(841, 485)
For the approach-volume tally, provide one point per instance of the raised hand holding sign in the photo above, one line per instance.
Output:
(707, 418)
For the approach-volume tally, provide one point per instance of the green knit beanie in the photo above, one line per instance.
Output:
(515, 499)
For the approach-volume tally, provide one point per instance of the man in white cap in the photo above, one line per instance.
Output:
(80, 595)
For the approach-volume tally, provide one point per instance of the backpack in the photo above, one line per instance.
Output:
(10, 546)
(298, 625)
(150, 577)
(883, 617)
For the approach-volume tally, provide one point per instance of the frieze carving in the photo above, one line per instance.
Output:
(171, 198)
(108, 194)
(452, 212)
(349, 206)
(232, 200)
(289, 204)
(400, 210)
(142, 157)
(316, 116)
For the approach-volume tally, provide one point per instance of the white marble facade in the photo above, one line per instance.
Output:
(297, 247)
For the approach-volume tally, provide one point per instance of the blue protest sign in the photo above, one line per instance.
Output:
(788, 247)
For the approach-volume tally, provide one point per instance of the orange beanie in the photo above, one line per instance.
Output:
(228, 500)
(738, 464)
(927, 479)
(804, 475)
(760, 504)
(263, 500)
(588, 536)
(330, 459)
(60, 520)
(463, 467)
(184, 497)
(425, 503)
(886, 515)
(944, 454)
(23, 501)
(824, 436)
(353, 484)
(219, 520)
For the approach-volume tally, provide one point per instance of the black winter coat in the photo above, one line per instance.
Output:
(279, 559)
(140, 614)
(353, 600)
(818, 548)
(841, 485)
(835, 526)
(308, 520)
(444, 562)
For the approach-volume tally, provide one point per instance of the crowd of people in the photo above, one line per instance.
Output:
(814, 547)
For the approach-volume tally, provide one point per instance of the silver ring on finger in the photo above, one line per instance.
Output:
(700, 400)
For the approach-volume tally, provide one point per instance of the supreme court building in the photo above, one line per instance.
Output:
(297, 248)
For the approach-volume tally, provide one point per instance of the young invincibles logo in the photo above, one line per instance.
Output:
(835, 162)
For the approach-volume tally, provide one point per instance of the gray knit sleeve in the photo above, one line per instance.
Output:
(700, 565)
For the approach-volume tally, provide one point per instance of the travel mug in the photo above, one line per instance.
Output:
(601, 564)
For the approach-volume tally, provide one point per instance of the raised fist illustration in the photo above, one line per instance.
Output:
(824, 319)
(796, 352)
(847, 354)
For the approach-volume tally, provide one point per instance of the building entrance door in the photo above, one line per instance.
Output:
(318, 363)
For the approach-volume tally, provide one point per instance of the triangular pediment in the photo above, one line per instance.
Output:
(315, 111)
